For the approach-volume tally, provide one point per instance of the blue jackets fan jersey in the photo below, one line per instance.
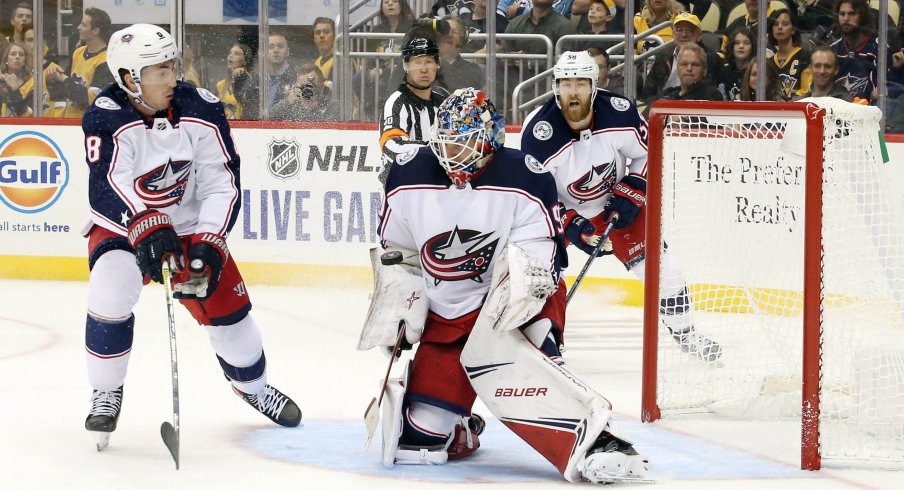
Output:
(587, 164)
(181, 162)
(460, 233)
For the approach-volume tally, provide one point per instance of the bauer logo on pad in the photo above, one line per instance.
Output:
(33, 172)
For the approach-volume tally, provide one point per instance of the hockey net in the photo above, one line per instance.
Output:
(780, 218)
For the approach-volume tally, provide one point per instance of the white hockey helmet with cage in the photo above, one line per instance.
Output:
(138, 46)
(575, 64)
(466, 133)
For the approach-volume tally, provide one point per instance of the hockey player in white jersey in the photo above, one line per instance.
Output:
(595, 144)
(164, 186)
(476, 287)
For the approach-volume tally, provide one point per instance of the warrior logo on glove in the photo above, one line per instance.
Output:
(458, 255)
(594, 184)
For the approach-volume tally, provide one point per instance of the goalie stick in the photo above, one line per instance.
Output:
(596, 251)
(170, 432)
(372, 414)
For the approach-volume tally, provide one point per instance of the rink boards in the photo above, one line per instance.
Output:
(311, 204)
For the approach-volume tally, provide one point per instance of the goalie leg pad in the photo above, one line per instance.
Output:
(542, 402)
(392, 424)
(399, 296)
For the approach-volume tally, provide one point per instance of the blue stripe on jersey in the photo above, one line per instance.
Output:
(106, 340)
(244, 374)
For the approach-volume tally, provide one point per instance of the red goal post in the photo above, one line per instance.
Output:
(708, 162)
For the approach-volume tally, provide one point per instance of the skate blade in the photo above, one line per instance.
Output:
(101, 439)
(602, 479)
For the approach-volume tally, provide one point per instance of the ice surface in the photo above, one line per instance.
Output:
(309, 337)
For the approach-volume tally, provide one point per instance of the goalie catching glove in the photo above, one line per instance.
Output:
(580, 232)
(206, 255)
(628, 196)
(152, 236)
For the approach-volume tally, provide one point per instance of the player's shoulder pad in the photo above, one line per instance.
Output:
(519, 170)
(420, 169)
(611, 110)
(196, 102)
(110, 111)
(545, 132)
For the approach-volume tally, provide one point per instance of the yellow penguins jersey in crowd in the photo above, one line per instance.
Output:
(84, 67)
(230, 104)
(325, 65)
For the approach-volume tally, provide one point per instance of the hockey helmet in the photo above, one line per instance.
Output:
(420, 46)
(576, 64)
(138, 46)
(466, 133)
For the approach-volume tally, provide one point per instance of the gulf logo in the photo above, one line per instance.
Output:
(33, 172)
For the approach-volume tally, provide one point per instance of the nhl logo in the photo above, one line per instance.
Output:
(283, 158)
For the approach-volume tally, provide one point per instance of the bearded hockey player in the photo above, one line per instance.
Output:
(594, 143)
(476, 286)
(164, 186)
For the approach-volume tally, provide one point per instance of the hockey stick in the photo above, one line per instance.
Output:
(596, 251)
(372, 414)
(170, 432)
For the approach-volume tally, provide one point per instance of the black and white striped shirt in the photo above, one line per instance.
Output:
(405, 124)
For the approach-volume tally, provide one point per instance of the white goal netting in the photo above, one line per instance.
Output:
(733, 191)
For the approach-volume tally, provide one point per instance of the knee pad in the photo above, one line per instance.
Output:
(114, 286)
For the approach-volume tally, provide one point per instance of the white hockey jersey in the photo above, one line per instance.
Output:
(181, 161)
(588, 164)
(461, 232)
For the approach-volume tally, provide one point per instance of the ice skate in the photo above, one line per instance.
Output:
(275, 405)
(464, 439)
(615, 460)
(104, 413)
(698, 345)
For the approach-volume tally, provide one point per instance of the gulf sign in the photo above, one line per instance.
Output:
(33, 172)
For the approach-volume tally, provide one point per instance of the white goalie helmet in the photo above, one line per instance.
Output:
(138, 46)
(575, 64)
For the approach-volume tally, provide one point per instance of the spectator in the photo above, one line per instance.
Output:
(749, 21)
(791, 59)
(748, 84)
(741, 52)
(309, 99)
(664, 72)
(280, 72)
(597, 21)
(514, 8)
(395, 16)
(824, 69)
(615, 83)
(189, 74)
(15, 82)
(542, 19)
(457, 72)
(857, 50)
(656, 12)
(48, 65)
(324, 38)
(20, 16)
(89, 73)
(239, 73)
(477, 20)
(694, 82)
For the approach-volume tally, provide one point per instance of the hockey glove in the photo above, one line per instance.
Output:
(152, 236)
(206, 256)
(579, 231)
(628, 197)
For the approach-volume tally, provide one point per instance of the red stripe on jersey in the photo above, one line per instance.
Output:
(116, 188)
(552, 228)
(227, 159)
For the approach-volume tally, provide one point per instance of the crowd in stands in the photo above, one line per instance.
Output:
(814, 47)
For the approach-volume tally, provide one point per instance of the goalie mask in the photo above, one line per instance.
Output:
(139, 46)
(575, 64)
(466, 133)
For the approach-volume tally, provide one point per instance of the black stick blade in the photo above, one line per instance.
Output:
(171, 439)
